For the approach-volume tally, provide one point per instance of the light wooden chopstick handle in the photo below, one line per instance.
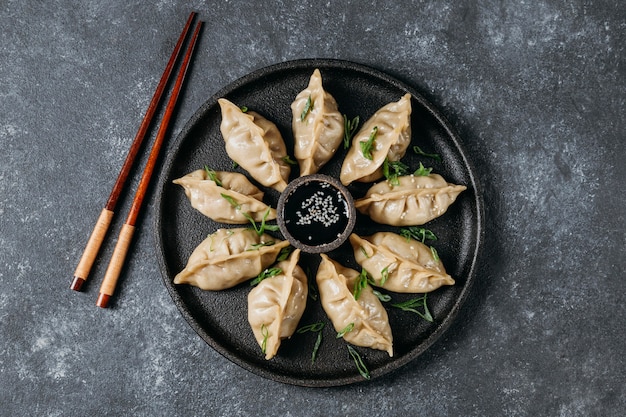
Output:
(92, 248)
(115, 266)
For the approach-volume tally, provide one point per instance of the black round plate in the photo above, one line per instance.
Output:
(220, 318)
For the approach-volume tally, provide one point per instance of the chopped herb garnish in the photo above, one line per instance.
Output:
(263, 227)
(212, 175)
(258, 229)
(419, 151)
(284, 253)
(349, 127)
(308, 106)
(287, 159)
(266, 334)
(258, 246)
(367, 145)
(316, 346)
(364, 252)
(422, 171)
(268, 273)
(315, 327)
(345, 330)
(382, 297)
(235, 165)
(358, 361)
(394, 169)
(384, 275)
(361, 283)
(417, 233)
(413, 304)
(231, 200)
(433, 251)
(244, 109)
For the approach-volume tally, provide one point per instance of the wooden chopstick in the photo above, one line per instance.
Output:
(104, 220)
(121, 248)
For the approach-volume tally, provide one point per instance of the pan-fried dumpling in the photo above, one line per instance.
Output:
(317, 126)
(276, 304)
(398, 264)
(389, 133)
(255, 144)
(366, 315)
(207, 196)
(229, 257)
(414, 201)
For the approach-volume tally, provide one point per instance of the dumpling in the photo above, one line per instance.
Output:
(229, 257)
(398, 264)
(414, 201)
(255, 144)
(366, 316)
(207, 196)
(276, 304)
(317, 126)
(389, 133)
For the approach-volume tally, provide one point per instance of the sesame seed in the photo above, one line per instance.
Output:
(318, 208)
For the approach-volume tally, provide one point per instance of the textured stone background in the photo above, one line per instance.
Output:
(537, 90)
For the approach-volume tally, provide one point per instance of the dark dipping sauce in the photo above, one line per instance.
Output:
(316, 213)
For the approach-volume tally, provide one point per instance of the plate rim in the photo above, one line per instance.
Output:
(311, 63)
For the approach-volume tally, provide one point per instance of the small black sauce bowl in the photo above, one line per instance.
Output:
(304, 201)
